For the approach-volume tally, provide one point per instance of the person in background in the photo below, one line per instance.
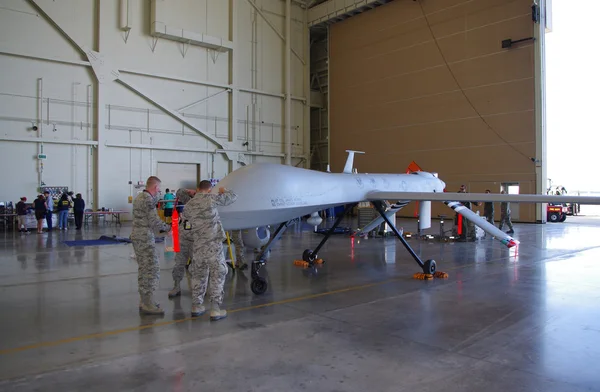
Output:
(40, 206)
(49, 209)
(168, 205)
(238, 243)
(21, 214)
(468, 227)
(78, 210)
(63, 211)
(505, 216)
(488, 210)
(145, 223)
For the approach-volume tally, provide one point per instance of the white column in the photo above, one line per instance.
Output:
(288, 82)
(540, 110)
(233, 76)
(306, 54)
(101, 102)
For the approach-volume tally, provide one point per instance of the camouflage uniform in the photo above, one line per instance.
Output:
(505, 216)
(182, 197)
(238, 242)
(145, 223)
(208, 266)
(186, 242)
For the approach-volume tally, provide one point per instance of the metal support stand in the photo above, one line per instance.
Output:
(259, 285)
(428, 266)
(311, 255)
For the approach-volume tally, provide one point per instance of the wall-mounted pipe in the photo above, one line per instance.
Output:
(40, 127)
(124, 15)
(89, 190)
(288, 83)
(247, 127)
(212, 173)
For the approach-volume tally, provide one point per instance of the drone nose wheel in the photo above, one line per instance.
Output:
(429, 267)
(259, 286)
(308, 256)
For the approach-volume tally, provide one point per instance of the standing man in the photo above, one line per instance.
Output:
(49, 208)
(78, 210)
(505, 216)
(145, 223)
(488, 210)
(21, 215)
(468, 227)
(208, 266)
(168, 205)
(186, 241)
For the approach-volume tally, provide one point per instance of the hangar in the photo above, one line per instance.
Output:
(96, 96)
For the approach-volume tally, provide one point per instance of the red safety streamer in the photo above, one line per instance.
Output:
(460, 218)
(175, 228)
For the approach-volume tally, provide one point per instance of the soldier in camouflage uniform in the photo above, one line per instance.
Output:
(145, 223)
(186, 242)
(208, 266)
(505, 216)
(238, 243)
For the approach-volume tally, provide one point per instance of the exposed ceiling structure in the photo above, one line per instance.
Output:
(322, 13)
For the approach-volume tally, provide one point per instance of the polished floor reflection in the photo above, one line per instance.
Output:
(504, 320)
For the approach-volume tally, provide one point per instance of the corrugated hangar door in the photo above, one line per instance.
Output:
(437, 82)
(178, 175)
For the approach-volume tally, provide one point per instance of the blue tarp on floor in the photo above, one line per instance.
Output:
(104, 240)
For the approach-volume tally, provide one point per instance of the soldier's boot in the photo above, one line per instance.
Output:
(216, 313)
(176, 291)
(140, 305)
(198, 310)
(149, 306)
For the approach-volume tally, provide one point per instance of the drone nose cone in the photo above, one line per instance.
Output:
(442, 186)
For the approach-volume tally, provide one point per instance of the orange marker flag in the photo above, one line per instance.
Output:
(175, 228)
(413, 167)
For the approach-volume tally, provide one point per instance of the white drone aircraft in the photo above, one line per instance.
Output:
(279, 194)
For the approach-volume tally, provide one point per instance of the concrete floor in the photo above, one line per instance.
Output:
(502, 321)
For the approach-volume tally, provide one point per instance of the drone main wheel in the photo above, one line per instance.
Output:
(308, 256)
(429, 267)
(259, 286)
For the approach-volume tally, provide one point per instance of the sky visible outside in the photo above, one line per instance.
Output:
(572, 95)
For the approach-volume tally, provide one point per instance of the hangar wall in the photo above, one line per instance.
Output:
(392, 95)
(222, 81)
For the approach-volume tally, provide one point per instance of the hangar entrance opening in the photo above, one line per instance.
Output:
(572, 82)
(512, 189)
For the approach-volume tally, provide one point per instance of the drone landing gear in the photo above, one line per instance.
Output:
(259, 284)
(428, 266)
(310, 256)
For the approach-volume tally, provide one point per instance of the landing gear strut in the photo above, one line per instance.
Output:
(310, 256)
(429, 266)
(259, 284)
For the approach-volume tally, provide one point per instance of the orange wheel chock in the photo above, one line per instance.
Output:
(422, 276)
(301, 263)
